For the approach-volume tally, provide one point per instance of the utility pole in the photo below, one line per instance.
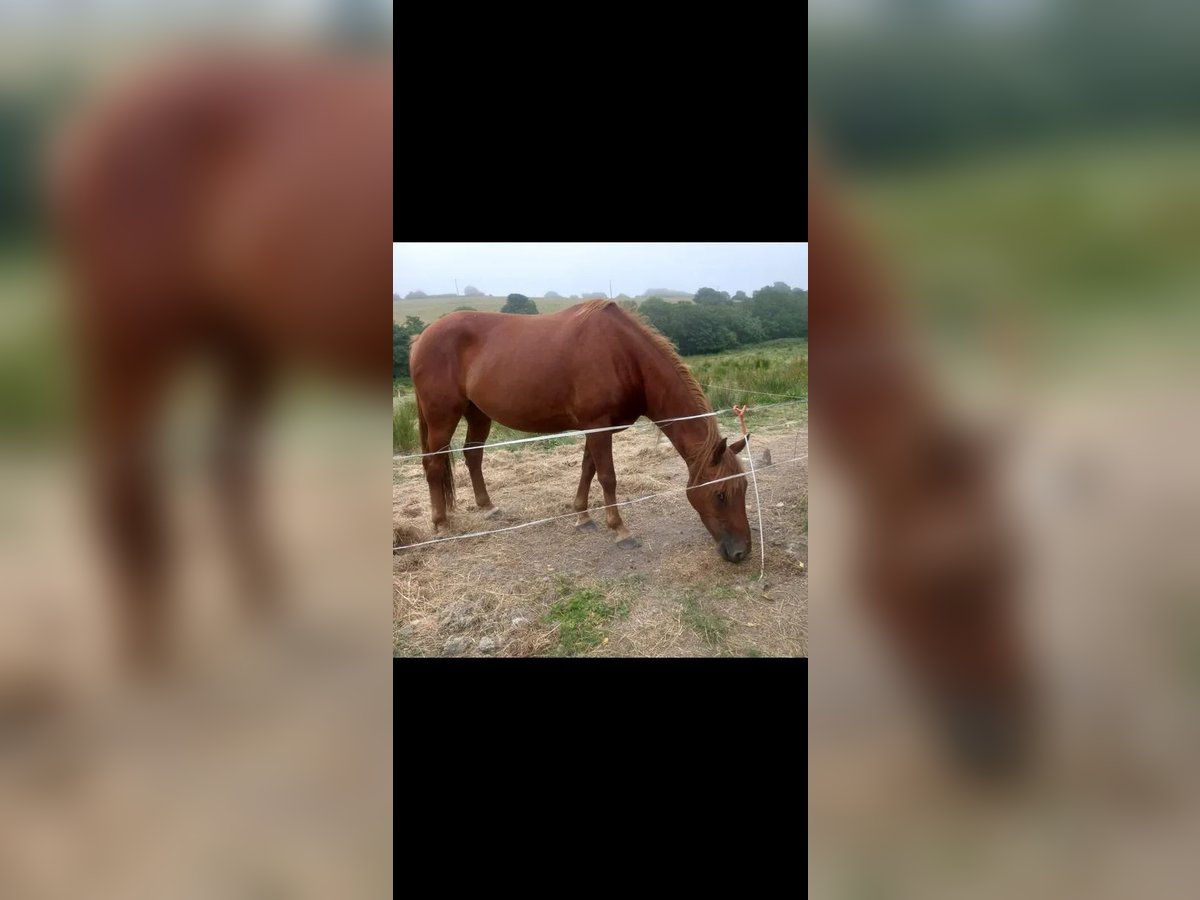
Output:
(610, 289)
(455, 287)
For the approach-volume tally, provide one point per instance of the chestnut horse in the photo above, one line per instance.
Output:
(238, 208)
(939, 554)
(592, 365)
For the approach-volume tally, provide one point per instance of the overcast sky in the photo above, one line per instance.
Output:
(533, 269)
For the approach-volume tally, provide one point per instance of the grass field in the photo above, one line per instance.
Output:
(1079, 243)
(433, 308)
(753, 374)
(429, 310)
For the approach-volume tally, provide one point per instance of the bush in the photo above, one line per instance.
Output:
(519, 304)
(400, 345)
(709, 297)
(782, 310)
(401, 342)
(700, 329)
(661, 314)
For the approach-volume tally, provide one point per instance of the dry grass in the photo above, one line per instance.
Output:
(450, 597)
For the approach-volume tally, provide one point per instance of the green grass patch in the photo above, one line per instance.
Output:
(711, 627)
(405, 434)
(581, 614)
(774, 367)
(760, 375)
(37, 361)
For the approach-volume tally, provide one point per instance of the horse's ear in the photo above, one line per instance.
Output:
(719, 451)
(739, 446)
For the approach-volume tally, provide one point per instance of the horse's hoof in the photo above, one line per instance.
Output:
(589, 525)
(492, 512)
(629, 543)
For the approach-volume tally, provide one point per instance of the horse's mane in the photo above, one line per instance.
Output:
(664, 346)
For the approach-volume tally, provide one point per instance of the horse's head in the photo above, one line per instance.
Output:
(722, 506)
(942, 560)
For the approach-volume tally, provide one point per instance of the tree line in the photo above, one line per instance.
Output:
(882, 96)
(714, 321)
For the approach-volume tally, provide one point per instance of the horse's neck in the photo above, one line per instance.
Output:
(668, 396)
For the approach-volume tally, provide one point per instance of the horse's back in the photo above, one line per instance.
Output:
(532, 373)
(252, 192)
(470, 337)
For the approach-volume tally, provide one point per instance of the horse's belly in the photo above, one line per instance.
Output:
(534, 421)
(536, 411)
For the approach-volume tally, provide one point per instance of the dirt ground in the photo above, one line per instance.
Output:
(173, 787)
(1110, 806)
(673, 595)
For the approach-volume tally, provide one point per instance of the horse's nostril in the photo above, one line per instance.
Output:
(739, 555)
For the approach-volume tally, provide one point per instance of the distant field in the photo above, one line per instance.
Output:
(1066, 237)
(435, 307)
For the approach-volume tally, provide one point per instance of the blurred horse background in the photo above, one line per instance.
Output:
(1016, 222)
(145, 350)
(225, 209)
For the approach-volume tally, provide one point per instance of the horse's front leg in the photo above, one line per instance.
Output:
(125, 402)
(237, 479)
(600, 449)
(587, 472)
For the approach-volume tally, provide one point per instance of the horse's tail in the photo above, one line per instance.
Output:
(422, 428)
(448, 471)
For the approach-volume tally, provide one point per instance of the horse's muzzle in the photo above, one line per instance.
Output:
(987, 740)
(733, 550)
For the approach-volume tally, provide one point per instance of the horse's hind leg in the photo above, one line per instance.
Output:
(439, 467)
(587, 471)
(600, 450)
(479, 426)
(246, 388)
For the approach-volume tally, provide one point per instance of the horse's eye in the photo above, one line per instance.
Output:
(720, 496)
